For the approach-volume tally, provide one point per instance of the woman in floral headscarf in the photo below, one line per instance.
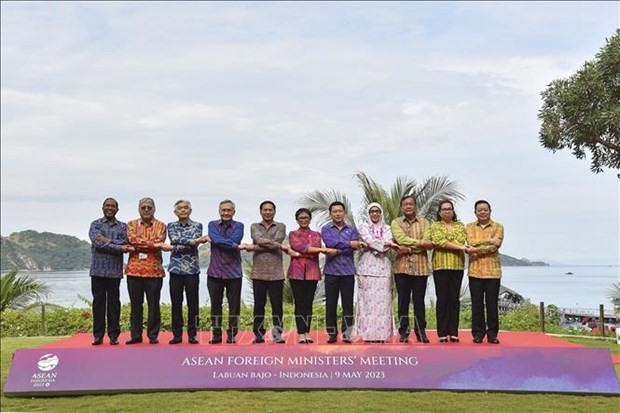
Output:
(374, 321)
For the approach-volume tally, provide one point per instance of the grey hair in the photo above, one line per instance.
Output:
(228, 201)
(147, 199)
(183, 201)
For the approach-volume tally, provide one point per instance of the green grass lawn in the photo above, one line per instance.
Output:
(303, 401)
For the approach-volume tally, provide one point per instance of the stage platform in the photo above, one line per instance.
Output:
(523, 362)
(508, 339)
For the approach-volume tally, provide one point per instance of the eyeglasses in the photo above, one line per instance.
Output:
(146, 208)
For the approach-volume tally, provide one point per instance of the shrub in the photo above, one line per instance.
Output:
(61, 321)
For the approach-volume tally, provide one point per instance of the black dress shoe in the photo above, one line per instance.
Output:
(347, 339)
(443, 339)
(134, 341)
(493, 340)
(332, 339)
(477, 340)
(215, 340)
(424, 339)
(153, 341)
(309, 341)
(404, 339)
(114, 342)
(192, 340)
(258, 340)
(454, 339)
(279, 340)
(175, 340)
(97, 342)
(230, 340)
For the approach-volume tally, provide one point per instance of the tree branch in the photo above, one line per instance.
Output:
(607, 144)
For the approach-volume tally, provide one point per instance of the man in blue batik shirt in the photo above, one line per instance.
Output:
(109, 241)
(339, 271)
(185, 237)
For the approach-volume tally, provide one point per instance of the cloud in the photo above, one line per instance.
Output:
(249, 101)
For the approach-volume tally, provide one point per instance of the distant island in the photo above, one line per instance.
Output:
(46, 251)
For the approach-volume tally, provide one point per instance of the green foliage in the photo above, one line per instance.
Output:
(582, 113)
(18, 291)
(44, 252)
(527, 318)
(552, 315)
(318, 203)
(613, 293)
(68, 321)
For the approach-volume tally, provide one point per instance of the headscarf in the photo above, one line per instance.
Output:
(376, 229)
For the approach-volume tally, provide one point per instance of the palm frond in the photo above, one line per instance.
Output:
(19, 291)
(434, 190)
(401, 187)
(318, 203)
(613, 293)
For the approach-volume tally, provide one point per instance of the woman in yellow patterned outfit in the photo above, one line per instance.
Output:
(449, 238)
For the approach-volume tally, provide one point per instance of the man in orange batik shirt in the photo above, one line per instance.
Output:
(144, 270)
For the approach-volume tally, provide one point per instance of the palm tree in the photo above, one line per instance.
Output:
(428, 194)
(613, 292)
(18, 292)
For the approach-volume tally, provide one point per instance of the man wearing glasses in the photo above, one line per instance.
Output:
(144, 270)
(411, 268)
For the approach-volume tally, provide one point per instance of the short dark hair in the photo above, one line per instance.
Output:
(303, 211)
(481, 201)
(446, 201)
(408, 196)
(337, 203)
(110, 199)
(262, 204)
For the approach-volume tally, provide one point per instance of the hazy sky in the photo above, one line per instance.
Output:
(254, 101)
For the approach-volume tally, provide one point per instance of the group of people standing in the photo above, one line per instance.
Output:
(410, 237)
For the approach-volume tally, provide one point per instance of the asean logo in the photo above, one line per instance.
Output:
(47, 362)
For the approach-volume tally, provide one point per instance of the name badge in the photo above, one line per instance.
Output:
(143, 256)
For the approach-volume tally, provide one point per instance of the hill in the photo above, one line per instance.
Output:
(46, 251)
(509, 261)
(31, 250)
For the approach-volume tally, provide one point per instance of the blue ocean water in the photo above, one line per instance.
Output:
(583, 287)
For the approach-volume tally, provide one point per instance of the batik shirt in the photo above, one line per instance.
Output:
(306, 266)
(184, 258)
(146, 261)
(225, 256)
(485, 264)
(340, 239)
(107, 256)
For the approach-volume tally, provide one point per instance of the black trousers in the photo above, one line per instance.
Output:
(138, 287)
(343, 286)
(303, 293)
(261, 289)
(189, 284)
(106, 299)
(484, 294)
(411, 287)
(448, 307)
(216, 287)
